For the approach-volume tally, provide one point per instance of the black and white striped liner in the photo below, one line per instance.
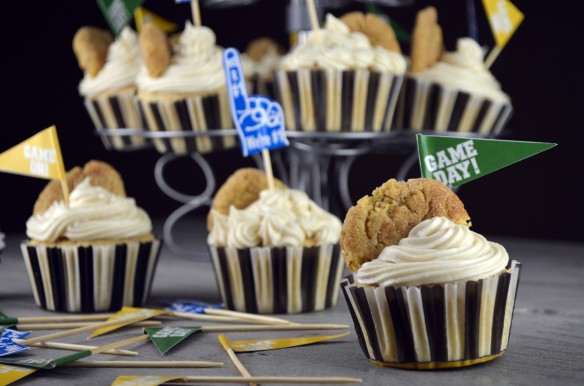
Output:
(116, 111)
(284, 280)
(448, 325)
(338, 101)
(197, 113)
(91, 279)
(426, 105)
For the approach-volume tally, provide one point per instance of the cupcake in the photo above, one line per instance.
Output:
(425, 291)
(181, 89)
(261, 58)
(450, 91)
(277, 255)
(108, 86)
(94, 253)
(338, 81)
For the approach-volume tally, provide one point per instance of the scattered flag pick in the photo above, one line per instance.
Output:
(10, 374)
(118, 13)
(274, 344)
(166, 338)
(5, 320)
(190, 306)
(455, 160)
(143, 16)
(49, 364)
(504, 19)
(39, 156)
(240, 367)
(88, 327)
(182, 309)
(125, 316)
(148, 380)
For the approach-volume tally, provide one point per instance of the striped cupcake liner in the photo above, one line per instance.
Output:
(426, 105)
(439, 326)
(93, 278)
(198, 114)
(337, 101)
(286, 280)
(116, 111)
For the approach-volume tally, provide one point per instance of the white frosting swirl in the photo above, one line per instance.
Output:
(278, 218)
(196, 67)
(336, 47)
(436, 251)
(465, 70)
(93, 213)
(121, 68)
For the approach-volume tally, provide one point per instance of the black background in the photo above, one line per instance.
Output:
(540, 69)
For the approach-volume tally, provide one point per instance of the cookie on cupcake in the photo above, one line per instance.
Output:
(94, 252)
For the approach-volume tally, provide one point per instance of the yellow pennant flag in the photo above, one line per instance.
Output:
(143, 16)
(504, 18)
(10, 374)
(273, 344)
(39, 156)
(148, 380)
(132, 314)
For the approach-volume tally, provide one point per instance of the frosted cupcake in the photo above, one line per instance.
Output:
(440, 297)
(339, 82)
(261, 58)
(108, 86)
(95, 253)
(450, 91)
(280, 254)
(187, 94)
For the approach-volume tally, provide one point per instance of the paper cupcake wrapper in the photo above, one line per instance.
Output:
(427, 105)
(261, 86)
(199, 114)
(91, 279)
(437, 326)
(285, 280)
(338, 101)
(116, 111)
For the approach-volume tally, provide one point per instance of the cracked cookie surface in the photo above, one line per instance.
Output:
(241, 189)
(388, 215)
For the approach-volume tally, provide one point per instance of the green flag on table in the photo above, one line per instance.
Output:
(457, 160)
(47, 364)
(165, 338)
(118, 13)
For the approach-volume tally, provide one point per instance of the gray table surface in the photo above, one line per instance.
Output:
(546, 345)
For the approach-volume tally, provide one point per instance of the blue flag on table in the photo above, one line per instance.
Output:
(259, 120)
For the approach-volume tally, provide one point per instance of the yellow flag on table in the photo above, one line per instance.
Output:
(504, 18)
(272, 344)
(39, 156)
(145, 380)
(126, 316)
(143, 16)
(10, 374)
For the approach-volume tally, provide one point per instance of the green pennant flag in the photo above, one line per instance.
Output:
(457, 160)
(47, 364)
(118, 13)
(165, 338)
